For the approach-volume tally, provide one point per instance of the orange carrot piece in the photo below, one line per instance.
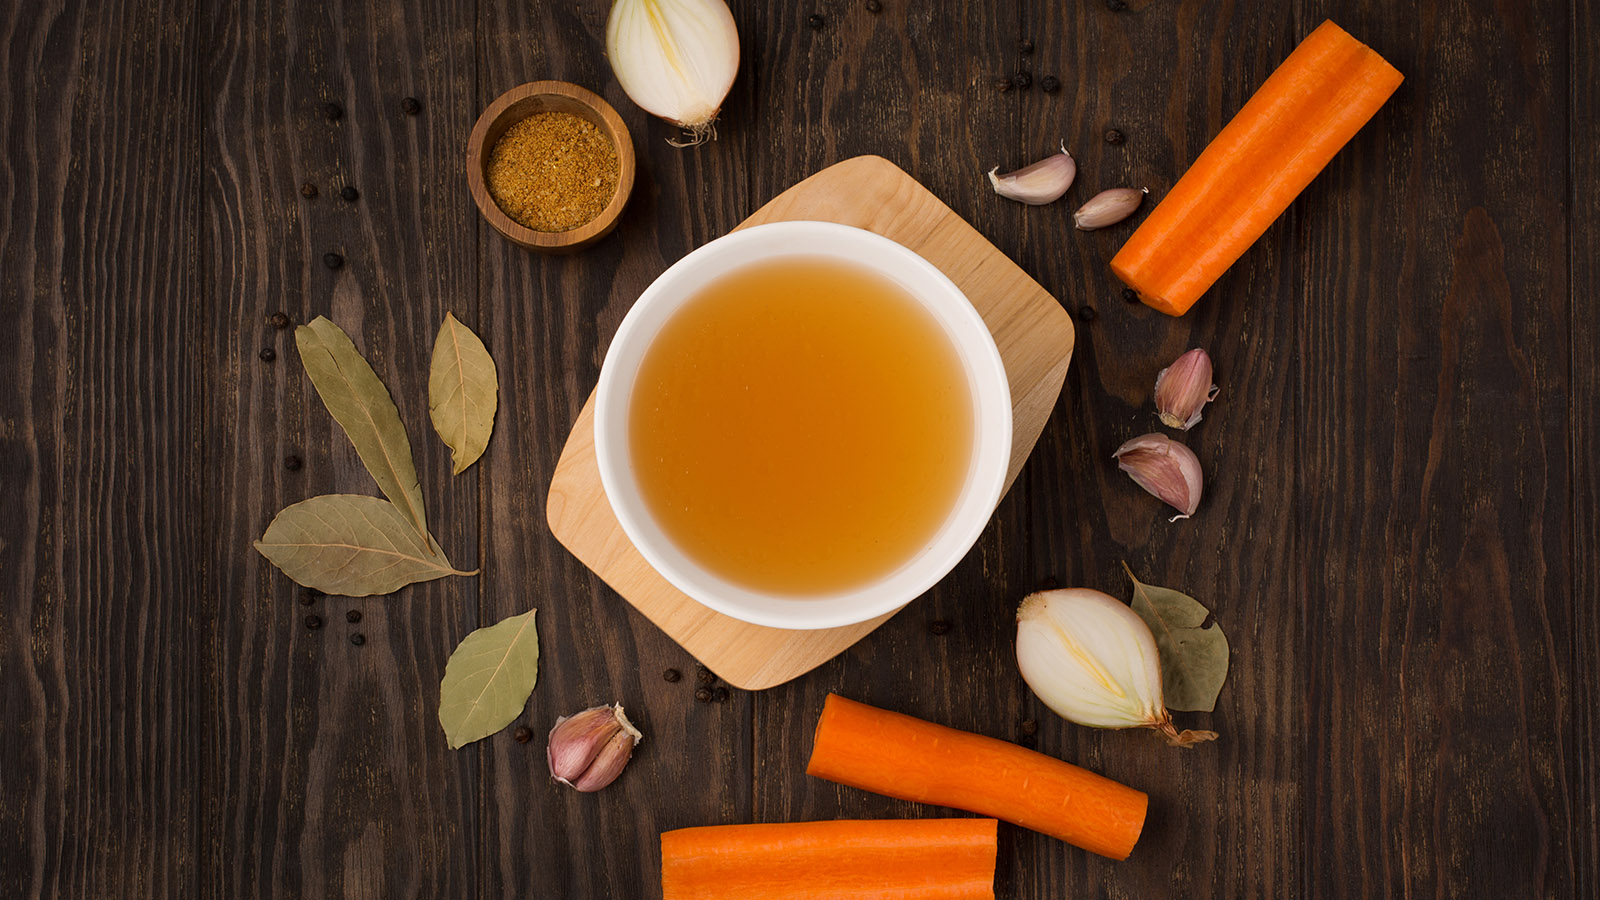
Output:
(905, 757)
(903, 859)
(1246, 177)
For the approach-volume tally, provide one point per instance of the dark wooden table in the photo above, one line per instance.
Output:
(1398, 534)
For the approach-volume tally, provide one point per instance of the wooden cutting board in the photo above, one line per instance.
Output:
(1034, 334)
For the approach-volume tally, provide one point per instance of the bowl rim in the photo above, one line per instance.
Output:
(478, 150)
(992, 423)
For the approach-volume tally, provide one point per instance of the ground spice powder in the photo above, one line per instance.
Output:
(552, 171)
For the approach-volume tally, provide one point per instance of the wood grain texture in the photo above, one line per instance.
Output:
(1034, 337)
(1583, 287)
(325, 770)
(1399, 528)
(1432, 478)
(99, 449)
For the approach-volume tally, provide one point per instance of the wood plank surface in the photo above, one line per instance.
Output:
(100, 451)
(1398, 533)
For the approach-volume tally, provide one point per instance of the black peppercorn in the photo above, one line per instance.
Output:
(816, 22)
(703, 695)
(703, 675)
(671, 676)
(1130, 295)
(1049, 84)
(1116, 5)
(874, 7)
(720, 695)
(358, 639)
(308, 597)
(292, 463)
(278, 320)
(1023, 80)
(939, 626)
(313, 622)
(333, 111)
(352, 616)
(349, 194)
(410, 106)
(332, 260)
(1030, 726)
(1114, 136)
(308, 190)
(1002, 84)
(522, 735)
(1086, 314)
(1024, 46)
(268, 354)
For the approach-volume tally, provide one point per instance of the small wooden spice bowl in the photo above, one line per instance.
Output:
(517, 104)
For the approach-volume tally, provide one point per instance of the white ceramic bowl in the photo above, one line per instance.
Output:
(991, 422)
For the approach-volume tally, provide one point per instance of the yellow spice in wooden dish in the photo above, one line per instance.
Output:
(552, 171)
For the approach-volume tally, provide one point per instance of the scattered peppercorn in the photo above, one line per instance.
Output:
(278, 320)
(313, 622)
(352, 616)
(410, 106)
(292, 463)
(1023, 80)
(1130, 295)
(1002, 84)
(333, 111)
(1049, 583)
(268, 354)
(349, 194)
(939, 626)
(1114, 136)
(308, 597)
(1049, 84)
(1024, 46)
(522, 735)
(703, 695)
(308, 190)
(1116, 5)
(874, 7)
(703, 675)
(332, 260)
(720, 695)
(1030, 726)
(358, 639)
(671, 676)
(1086, 314)
(816, 22)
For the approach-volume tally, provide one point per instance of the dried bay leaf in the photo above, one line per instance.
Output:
(488, 679)
(463, 392)
(351, 545)
(1194, 659)
(363, 407)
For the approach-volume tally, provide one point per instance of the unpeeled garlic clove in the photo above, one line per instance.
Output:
(1183, 388)
(1043, 182)
(588, 750)
(1108, 208)
(1167, 469)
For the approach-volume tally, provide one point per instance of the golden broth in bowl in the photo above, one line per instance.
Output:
(800, 426)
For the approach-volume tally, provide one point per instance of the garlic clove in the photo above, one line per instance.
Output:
(1043, 182)
(1165, 468)
(1108, 208)
(1183, 388)
(1090, 658)
(588, 750)
(675, 58)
